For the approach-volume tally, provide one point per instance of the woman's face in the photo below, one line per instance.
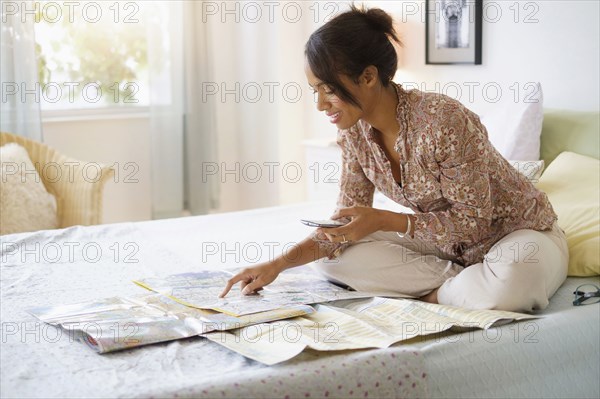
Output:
(339, 112)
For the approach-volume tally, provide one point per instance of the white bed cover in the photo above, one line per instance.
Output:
(556, 356)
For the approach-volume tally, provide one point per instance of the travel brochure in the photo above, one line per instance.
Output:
(201, 290)
(297, 311)
(116, 323)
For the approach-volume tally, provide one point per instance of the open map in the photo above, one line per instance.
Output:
(201, 290)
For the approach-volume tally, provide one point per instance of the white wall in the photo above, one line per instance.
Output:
(555, 42)
(121, 141)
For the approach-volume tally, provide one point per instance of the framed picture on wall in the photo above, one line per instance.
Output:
(453, 31)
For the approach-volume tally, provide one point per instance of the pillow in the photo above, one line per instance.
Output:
(25, 205)
(572, 183)
(532, 170)
(575, 131)
(514, 128)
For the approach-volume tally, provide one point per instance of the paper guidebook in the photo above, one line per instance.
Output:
(270, 327)
(355, 324)
(201, 290)
(117, 323)
(187, 305)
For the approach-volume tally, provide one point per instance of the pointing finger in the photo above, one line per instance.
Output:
(230, 284)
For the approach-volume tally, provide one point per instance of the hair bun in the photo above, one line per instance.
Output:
(380, 19)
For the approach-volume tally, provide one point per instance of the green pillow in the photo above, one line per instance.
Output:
(575, 131)
(572, 183)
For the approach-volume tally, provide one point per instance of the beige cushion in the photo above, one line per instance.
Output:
(572, 182)
(25, 205)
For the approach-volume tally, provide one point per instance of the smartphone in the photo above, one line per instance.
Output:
(322, 223)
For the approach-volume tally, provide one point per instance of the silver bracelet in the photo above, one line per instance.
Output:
(409, 225)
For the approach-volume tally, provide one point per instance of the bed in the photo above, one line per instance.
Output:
(556, 355)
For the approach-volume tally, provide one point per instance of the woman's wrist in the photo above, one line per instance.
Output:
(393, 221)
(302, 253)
(280, 264)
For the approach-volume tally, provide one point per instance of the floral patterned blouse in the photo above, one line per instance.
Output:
(465, 195)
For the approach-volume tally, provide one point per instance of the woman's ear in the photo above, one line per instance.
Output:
(369, 76)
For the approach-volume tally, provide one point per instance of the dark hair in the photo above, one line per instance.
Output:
(348, 44)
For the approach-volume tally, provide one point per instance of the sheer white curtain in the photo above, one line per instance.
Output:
(182, 134)
(200, 139)
(165, 61)
(262, 104)
(20, 104)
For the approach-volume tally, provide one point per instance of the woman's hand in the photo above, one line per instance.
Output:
(253, 278)
(365, 221)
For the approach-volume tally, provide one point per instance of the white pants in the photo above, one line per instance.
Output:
(519, 273)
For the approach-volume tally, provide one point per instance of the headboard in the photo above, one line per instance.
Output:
(575, 131)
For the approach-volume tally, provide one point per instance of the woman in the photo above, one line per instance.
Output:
(482, 236)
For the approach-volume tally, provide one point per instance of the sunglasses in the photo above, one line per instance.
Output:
(586, 294)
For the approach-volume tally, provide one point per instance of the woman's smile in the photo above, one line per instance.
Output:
(334, 117)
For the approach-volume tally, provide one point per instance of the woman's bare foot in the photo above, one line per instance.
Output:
(431, 297)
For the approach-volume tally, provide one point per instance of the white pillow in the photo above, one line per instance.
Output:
(25, 205)
(514, 127)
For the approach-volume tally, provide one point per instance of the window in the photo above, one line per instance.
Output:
(91, 54)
